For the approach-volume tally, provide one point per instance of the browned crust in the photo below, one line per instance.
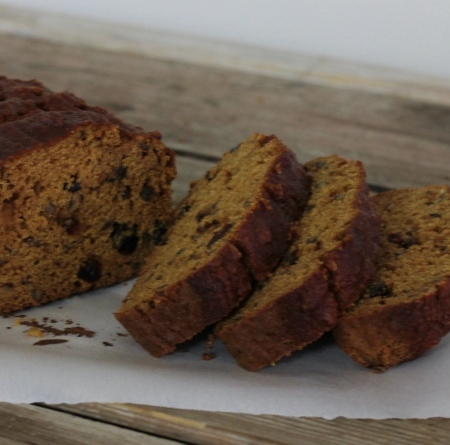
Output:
(31, 116)
(396, 333)
(292, 320)
(264, 235)
(300, 317)
(35, 120)
(19, 98)
(186, 307)
(39, 129)
(260, 242)
(353, 264)
(384, 331)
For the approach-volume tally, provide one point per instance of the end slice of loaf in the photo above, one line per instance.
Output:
(405, 309)
(232, 228)
(324, 272)
(84, 197)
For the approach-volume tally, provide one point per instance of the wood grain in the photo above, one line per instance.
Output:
(208, 428)
(402, 141)
(155, 44)
(28, 424)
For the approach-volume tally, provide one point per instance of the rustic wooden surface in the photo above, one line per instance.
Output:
(398, 125)
(403, 141)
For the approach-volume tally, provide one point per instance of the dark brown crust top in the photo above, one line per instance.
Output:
(38, 129)
(262, 237)
(301, 316)
(353, 264)
(20, 97)
(214, 289)
(32, 116)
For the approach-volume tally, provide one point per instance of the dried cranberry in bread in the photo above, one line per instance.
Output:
(405, 309)
(232, 228)
(84, 197)
(323, 273)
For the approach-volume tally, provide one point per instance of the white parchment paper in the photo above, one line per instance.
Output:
(111, 367)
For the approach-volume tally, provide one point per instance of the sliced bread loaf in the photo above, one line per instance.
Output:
(232, 228)
(84, 197)
(405, 309)
(323, 273)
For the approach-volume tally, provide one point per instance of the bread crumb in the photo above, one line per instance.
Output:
(35, 332)
(208, 356)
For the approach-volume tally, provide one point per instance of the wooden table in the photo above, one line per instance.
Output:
(205, 97)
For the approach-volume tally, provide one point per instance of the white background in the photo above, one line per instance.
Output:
(412, 35)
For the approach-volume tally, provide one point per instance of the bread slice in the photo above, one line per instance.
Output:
(323, 273)
(232, 228)
(405, 309)
(84, 197)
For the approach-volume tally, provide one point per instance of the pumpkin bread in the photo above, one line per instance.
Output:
(84, 196)
(323, 273)
(231, 229)
(405, 309)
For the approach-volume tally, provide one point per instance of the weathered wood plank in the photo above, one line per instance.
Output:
(7, 441)
(403, 142)
(209, 428)
(246, 58)
(196, 430)
(26, 424)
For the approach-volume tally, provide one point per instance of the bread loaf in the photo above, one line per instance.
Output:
(84, 196)
(231, 229)
(405, 309)
(323, 273)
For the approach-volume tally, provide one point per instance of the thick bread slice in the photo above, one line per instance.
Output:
(323, 273)
(405, 309)
(83, 196)
(232, 228)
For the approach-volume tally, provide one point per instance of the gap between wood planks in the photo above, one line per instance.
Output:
(163, 424)
(31, 424)
(205, 110)
(149, 43)
(214, 159)
(217, 428)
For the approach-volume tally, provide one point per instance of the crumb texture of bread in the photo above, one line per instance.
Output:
(84, 197)
(232, 228)
(405, 309)
(324, 271)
